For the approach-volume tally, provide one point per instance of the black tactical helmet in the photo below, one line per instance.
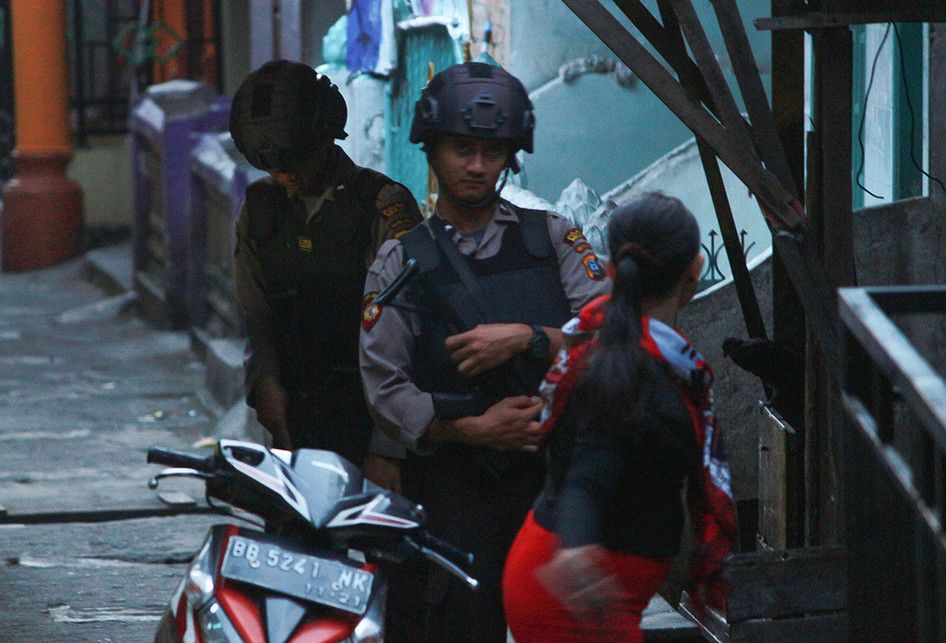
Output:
(475, 99)
(283, 112)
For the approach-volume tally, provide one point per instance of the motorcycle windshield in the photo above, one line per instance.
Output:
(324, 478)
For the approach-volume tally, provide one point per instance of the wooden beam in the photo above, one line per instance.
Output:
(802, 263)
(728, 111)
(817, 628)
(670, 49)
(818, 20)
(688, 110)
(778, 584)
(748, 303)
(753, 92)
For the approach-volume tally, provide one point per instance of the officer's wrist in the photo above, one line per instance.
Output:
(459, 430)
(522, 337)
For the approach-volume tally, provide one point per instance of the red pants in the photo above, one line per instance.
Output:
(534, 616)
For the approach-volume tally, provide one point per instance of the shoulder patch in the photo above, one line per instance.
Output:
(398, 211)
(575, 237)
(393, 209)
(392, 194)
(593, 267)
(370, 311)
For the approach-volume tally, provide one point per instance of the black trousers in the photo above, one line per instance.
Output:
(334, 418)
(473, 510)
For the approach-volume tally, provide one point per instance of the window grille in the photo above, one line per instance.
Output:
(105, 41)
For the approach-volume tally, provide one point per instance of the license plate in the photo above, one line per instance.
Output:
(311, 578)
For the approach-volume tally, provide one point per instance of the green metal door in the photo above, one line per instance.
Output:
(416, 47)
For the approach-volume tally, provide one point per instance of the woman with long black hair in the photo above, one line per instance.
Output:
(628, 417)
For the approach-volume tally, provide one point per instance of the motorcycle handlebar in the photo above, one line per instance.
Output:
(172, 458)
(455, 555)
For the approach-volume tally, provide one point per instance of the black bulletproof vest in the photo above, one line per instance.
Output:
(314, 275)
(521, 284)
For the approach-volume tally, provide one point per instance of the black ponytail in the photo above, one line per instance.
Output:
(651, 241)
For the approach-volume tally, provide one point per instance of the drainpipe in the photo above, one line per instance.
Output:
(42, 215)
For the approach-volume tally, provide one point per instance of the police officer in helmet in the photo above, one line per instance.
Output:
(305, 238)
(451, 368)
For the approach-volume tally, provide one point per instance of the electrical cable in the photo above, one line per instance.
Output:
(860, 129)
(906, 93)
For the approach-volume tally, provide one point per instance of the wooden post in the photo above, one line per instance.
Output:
(42, 215)
(830, 214)
(788, 316)
(937, 109)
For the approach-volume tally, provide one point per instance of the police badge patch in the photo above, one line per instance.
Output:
(370, 311)
(593, 267)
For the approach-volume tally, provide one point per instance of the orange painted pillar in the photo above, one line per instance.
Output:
(42, 212)
(174, 15)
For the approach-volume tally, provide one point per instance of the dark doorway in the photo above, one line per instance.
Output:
(7, 133)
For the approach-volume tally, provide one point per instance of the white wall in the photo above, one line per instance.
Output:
(544, 34)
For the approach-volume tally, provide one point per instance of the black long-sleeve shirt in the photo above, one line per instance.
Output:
(621, 488)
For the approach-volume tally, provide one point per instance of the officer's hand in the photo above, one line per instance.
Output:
(510, 425)
(270, 402)
(384, 472)
(487, 346)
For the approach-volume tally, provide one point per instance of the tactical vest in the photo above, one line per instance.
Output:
(521, 284)
(314, 275)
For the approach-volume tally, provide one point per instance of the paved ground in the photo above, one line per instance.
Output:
(85, 387)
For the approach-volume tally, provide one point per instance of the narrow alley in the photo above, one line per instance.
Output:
(85, 388)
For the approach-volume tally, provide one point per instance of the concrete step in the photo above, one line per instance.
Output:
(110, 268)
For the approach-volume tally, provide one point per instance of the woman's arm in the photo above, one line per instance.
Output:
(591, 484)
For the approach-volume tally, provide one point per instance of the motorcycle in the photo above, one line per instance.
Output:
(315, 570)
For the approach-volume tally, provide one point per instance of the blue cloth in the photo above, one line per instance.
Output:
(364, 35)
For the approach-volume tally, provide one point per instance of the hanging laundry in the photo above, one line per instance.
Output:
(364, 35)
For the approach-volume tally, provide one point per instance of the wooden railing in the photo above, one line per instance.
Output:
(894, 462)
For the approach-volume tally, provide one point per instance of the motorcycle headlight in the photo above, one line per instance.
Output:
(215, 627)
(199, 584)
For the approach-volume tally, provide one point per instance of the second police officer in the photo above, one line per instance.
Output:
(305, 238)
(451, 367)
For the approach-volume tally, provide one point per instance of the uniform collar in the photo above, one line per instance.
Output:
(503, 215)
(343, 172)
